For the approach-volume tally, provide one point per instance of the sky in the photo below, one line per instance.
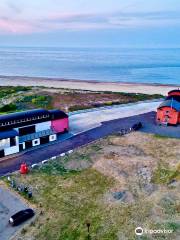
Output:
(90, 23)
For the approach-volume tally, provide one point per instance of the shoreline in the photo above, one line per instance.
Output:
(145, 88)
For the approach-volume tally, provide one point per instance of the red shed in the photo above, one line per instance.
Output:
(174, 93)
(169, 110)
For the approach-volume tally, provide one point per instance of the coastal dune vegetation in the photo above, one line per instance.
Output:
(23, 98)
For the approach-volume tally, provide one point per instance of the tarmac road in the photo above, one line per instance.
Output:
(39, 154)
(88, 119)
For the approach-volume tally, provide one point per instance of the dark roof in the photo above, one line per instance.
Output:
(174, 92)
(21, 115)
(29, 117)
(57, 114)
(8, 134)
(177, 98)
(171, 103)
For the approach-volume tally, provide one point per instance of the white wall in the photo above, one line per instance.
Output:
(11, 150)
(38, 126)
(17, 140)
(4, 143)
(52, 138)
(43, 126)
(36, 142)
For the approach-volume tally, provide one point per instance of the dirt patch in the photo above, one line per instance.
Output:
(70, 101)
(132, 161)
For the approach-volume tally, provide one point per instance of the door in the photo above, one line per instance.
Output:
(2, 153)
(21, 147)
(44, 140)
(28, 144)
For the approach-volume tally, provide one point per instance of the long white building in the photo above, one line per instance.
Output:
(24, 130)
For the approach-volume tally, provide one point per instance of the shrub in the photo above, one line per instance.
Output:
(8, 108)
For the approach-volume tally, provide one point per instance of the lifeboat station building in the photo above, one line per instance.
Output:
(168, 113)
(24, 130)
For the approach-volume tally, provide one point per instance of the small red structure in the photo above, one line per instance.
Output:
(60, 125)
(168, 112)
(24, 168)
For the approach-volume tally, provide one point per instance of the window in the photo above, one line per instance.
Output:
(27, 130)
(12, 141)
(36, 141)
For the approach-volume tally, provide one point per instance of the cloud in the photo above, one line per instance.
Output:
(7, 26)
(81, 21)
(112, 20)
(15, 9)
(143, 19)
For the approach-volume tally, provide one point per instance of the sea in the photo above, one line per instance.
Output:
(161, 66)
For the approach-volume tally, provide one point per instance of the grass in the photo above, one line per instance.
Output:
(78, 107)
(174, 226)
(130, 98)
(170, 225)
(69, 198)
(6, 91)
(72, 198)
(55, 168)
(163, 174)
(164, 137)
(73, 100)
(34, 101)
(138, 96)
(8, 108)
(27, 102)
(160, 136)
(169, 205)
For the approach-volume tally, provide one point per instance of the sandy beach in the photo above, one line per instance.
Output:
(87, 85)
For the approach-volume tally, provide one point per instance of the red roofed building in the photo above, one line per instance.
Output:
(168, 112)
